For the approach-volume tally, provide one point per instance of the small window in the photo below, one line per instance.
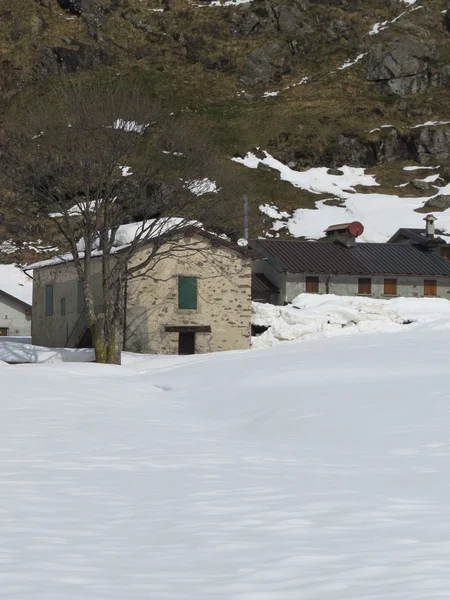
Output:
(430, 287)
(187, 293)
(364, 286)
(445, 252)
(312, 285)
(63, 306)
(80, 294)
(48, 300)
(390, 287)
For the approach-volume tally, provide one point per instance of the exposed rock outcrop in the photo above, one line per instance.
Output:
(436, 203)
(405, 64)
(264, 65)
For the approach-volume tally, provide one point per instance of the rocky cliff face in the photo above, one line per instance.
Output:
(316, 82)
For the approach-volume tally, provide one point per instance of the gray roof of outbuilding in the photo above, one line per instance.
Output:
(363, 259)
(260, 283)
(418, 235)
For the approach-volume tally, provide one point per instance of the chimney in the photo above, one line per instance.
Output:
(429, 225)
(345, 233)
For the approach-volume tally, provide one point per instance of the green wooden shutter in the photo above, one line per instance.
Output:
(80, 297)
(48, 300)
(187, 293)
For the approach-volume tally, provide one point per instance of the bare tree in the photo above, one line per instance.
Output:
(95, 157)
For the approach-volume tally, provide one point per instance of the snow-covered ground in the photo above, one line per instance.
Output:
(15, 350)
(313, 316)
(381, 214)
(312, 471)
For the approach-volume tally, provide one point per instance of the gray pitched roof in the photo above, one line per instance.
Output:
(260, 283)
(292, 256)
(418, 236)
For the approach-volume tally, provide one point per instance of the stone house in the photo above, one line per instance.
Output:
(195, 301)
(15, 302)
(410, 266)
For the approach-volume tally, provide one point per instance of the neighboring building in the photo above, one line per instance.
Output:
(196, 301)
(15, 302)
(338, 265)
(427, 238)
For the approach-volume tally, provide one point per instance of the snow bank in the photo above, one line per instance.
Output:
(20, 352)
(202, 186)
(313, 316)
(16, 283)
(317, 180)
(129, 126)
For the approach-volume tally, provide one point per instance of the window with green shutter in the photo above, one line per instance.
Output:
(48, 300)
(187, 293)
(80, 297)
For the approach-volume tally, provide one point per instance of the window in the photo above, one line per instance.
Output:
(80, 295)
(186, 343)
(430, 287)
(390, 287)
(312, 285)
(364, 286)
(48, 300)
(187, 293)
(63, 306)
(445, 252)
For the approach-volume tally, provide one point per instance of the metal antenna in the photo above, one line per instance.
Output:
(245, 217)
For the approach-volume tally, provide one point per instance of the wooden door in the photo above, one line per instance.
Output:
(3, 331)
(312, 285)
(430, 287)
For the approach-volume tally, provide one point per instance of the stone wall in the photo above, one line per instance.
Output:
(224, 300)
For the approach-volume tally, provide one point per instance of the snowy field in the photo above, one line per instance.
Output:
(308, 471)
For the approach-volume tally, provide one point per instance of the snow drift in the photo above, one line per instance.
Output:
(313, 316)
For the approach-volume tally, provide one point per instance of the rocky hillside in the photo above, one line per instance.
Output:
(312, 82)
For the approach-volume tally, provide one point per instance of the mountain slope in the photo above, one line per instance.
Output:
(312, 82)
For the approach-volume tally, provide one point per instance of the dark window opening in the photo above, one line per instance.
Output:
(312, 285)
(364, 286)
(186, 343)
(445, 252)
(63, 306)
(48, 300)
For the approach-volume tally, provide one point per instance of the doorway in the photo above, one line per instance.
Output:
(186, 342)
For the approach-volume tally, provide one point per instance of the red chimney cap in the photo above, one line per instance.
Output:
(430, 218)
